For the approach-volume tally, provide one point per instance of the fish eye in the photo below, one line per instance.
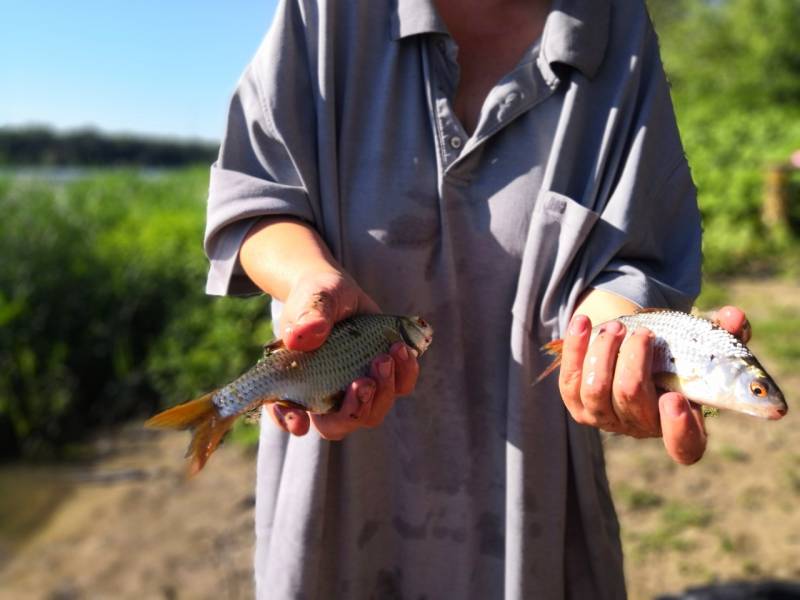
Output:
(758, 389)
(421, 322)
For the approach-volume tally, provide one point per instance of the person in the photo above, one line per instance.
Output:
(511, 170)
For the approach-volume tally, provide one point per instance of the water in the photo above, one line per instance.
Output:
(69, 174)
(29, 494)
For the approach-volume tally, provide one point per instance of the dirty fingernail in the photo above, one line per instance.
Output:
(365, 392)
(385, 367)
(678, 408)
(280, 413)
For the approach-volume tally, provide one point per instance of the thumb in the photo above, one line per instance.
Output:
(307, 319)
(682, 428)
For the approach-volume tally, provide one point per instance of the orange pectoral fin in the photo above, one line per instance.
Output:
(554, 349)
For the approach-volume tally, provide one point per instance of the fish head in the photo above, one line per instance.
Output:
(756, 388)
(416, 332)
(742, 384)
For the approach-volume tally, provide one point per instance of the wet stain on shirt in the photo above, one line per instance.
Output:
(368, 531)
(411, 230)
(410, 531)
(388, 585)
(490, 532)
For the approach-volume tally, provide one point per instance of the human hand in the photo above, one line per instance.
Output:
(315, 302)
(609, 385)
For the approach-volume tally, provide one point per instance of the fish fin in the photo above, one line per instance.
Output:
(650, 309)
(203, 418)
(288, 403)
(668, 381)
(554, 349)
(273, 346)
(335, 400)
(206, 436)
(392, 335)
(253, 416)
(182, 416)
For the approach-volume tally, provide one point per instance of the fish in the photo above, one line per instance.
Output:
(314, 381)
(699, 359)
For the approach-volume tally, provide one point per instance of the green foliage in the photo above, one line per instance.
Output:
(729, 153)
(782, 329)
(734, 66)
(676, 519)
(102, 311)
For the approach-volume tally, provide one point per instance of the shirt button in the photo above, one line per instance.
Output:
(455, 142)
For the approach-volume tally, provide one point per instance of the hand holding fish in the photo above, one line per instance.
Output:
(289, 260)
(607, 382)
(315, 303)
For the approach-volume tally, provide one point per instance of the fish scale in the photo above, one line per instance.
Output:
(314, 381)
(309, 379)
(693, 339)
(700, 360)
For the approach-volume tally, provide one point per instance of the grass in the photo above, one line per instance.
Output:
(675, 520)
(637, 499)
(781, 336)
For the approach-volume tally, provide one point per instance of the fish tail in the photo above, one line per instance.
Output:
(554, 349)
(203, 419)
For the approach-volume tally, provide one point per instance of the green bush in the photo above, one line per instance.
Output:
(102, 310)
(729, 153)
(734, 66)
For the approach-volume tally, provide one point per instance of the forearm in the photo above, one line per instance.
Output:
(601, 306)
(277, 252)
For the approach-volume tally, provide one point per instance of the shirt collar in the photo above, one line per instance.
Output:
(576, 34)
(576, 31)
(413, 17)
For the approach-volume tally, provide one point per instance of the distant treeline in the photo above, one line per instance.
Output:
(42, 146)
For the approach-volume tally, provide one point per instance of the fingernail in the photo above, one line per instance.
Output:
(415, 352)
(280, 413)
(677, 409)
(314, 330)
(402, 352)
(614, 327)
(578, 325)
(385, 367)
(365, 392)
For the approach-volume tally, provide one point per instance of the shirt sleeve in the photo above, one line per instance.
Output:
(646, 246)
(266, 161)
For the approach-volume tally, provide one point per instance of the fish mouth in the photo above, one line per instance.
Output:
(777, 412)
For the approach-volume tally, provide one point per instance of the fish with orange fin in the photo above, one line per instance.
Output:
(313, 381)
(702, 361)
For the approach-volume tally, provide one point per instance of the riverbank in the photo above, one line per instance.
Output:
(125, 523)
(130, 525)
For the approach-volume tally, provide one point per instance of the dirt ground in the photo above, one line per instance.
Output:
(132, 526)
(129, 525)
(734, 515)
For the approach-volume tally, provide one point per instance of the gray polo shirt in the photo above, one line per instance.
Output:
(479, 485)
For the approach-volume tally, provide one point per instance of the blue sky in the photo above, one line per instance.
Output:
(163, 67)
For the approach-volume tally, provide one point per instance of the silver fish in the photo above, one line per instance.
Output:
(314, 381)
(702, 361)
